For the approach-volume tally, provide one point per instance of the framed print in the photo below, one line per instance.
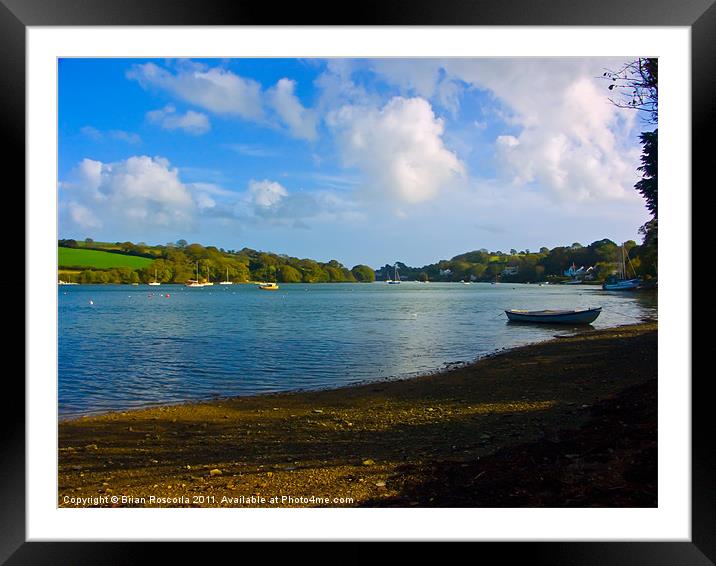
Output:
(291, 277)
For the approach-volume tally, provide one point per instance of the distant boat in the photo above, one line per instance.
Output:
(155, 282)
(227, 282)
(613, 283)
(396, 280)
(270, 285)
(208, 278)
(619, 282)
(195, 282)
(575, 316)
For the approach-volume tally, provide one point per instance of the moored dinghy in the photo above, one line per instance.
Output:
(575, 316)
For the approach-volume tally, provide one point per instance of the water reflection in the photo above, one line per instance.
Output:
(134, 347)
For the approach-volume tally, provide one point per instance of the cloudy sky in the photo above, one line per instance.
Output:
(363, 161)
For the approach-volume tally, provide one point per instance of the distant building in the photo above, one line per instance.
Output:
(511, 270)
(446, 272)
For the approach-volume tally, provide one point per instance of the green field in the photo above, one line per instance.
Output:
(74, 257)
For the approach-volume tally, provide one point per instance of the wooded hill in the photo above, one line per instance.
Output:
(525, 266)
(125, 262)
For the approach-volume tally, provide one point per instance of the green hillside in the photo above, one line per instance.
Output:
(75, 257)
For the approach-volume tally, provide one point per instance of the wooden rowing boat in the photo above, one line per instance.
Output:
(575, 316)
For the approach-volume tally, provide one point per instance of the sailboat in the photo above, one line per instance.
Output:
(155, 282)
(270, 286)
(396, 279)
(227, 282)
(195, 282)
(208, 279)
(619, 282)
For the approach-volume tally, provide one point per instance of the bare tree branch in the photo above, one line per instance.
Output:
(637, 85)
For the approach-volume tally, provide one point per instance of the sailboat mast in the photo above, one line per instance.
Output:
(624, 260)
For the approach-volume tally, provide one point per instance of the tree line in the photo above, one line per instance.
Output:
(180, 262)
(524, 266)
(177, 263)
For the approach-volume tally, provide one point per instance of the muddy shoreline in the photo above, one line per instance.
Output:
(582, 406)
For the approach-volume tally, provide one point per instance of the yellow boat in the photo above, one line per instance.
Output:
(195, 282)
(268, 286)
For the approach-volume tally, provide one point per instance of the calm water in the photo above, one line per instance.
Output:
(134, 347)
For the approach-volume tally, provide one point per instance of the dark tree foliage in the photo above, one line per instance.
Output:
(636, 86)
(649, 248)
(363, 273)
(648, 184)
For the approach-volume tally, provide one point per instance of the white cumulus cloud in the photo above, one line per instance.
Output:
(195, 123)
(268, 203)
(225, 93)
(399, 148)
(562, 136)
(266, 193)
(508, 141)
(217, 90)
(300, 121)
(83, 216)
(572, 142)
(139, 192)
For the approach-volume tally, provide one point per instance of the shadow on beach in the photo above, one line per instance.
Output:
(571, 422)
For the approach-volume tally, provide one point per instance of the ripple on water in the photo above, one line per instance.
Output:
(130, 350)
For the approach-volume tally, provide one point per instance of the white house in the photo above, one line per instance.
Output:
(582, 272)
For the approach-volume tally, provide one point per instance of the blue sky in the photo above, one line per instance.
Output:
(363, 161)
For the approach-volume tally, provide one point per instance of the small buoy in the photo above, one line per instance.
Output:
(167, 295)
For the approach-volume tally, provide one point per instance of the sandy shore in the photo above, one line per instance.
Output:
(570, 422)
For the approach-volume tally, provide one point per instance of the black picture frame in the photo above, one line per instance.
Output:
(699, 15)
